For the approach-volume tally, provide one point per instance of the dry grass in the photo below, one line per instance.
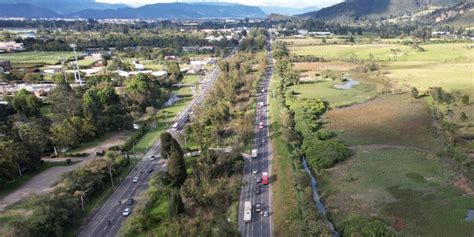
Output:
(393, 120)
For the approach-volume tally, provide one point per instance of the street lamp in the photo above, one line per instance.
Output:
(77, 74)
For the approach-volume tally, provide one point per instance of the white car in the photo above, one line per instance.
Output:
(152, 157)
(126, 212)
(265, 214)
(135, 179)
(255, 171)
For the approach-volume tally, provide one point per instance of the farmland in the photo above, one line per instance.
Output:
(395, 173)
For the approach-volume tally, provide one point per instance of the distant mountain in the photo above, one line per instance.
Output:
(67, 6)
(356, 9)
(287, 11)
(175, 10)
(26, 11)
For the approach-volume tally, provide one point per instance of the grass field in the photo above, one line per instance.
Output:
(326, 91)
(383, 52)
(392, 120)
(423, 75)
(36, 57)
(412, 191)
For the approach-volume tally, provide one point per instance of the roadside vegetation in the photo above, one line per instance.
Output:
(200, 195)
(405, 123)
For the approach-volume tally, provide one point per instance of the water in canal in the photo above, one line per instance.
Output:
(317, 200)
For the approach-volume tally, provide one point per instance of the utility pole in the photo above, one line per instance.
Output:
(77, 73)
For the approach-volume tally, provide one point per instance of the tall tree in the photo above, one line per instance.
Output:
(176, 205)
(26, 103)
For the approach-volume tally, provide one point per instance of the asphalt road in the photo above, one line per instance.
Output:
(111, 210)
(260, 225)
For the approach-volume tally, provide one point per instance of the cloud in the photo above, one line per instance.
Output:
(284, 3)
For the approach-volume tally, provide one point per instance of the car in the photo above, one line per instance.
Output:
(129, 201)
(265, 213)
(135, 179)
(258, 180)
(255, 171)
(126, 212)
(257, 207)
(152, 157)
(150, 170)
(257, 191)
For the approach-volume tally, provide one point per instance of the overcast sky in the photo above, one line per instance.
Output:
(287, 3)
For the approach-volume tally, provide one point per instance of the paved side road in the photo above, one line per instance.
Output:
(260, 225)
(112, 210)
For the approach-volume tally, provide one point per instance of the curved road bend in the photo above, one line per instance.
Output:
(260, 225)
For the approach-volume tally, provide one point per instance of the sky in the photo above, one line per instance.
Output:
(283, 3)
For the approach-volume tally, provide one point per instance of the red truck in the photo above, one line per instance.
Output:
(264, 178)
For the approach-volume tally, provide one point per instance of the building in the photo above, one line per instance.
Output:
(5, 66)
(11, 46)
(138, 66)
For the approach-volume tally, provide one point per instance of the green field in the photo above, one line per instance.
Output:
(412, 191)
(456, 52)
(325, 90)
(36, 57)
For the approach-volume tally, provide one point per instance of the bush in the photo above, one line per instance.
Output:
(76, 154)
(325, 154)
(68, 161)
(100, 153)
(137, 135)
(325, 135)
(364, 226)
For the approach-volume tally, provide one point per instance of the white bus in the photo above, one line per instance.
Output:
(175, 126)
(248, 212)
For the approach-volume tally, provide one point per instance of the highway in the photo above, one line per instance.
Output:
(112, 210)
(260, 225)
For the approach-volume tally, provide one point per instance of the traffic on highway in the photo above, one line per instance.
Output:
(255, 198)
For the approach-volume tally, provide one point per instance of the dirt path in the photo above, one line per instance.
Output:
(46, 180)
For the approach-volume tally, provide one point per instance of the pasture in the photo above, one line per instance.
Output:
(387, 120)
(37, 57)
(399, 186)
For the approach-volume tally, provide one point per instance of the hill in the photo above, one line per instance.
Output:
(69, 6)
(26, 11)
(357, 9)
(287, 11)
(174, 10)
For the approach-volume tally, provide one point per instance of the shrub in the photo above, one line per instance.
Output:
(135, 137)
(325, 135)
(364, 226)
(463, 116)
(465, 99)
(76, 154)
(325, 154)
(68, 161)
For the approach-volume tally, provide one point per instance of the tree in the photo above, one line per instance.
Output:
(11, 155)
(176, 165)
(176, 205)
(465, 99)
(65, 103)
(26, 103)
(169, 145)
(142, 90)
(414, 92)
(174, 72)
(463, 116)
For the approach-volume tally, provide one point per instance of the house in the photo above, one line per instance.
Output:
(11, 46)
(5, 66)
(138, 66)
(52, 69)
(162, 74)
